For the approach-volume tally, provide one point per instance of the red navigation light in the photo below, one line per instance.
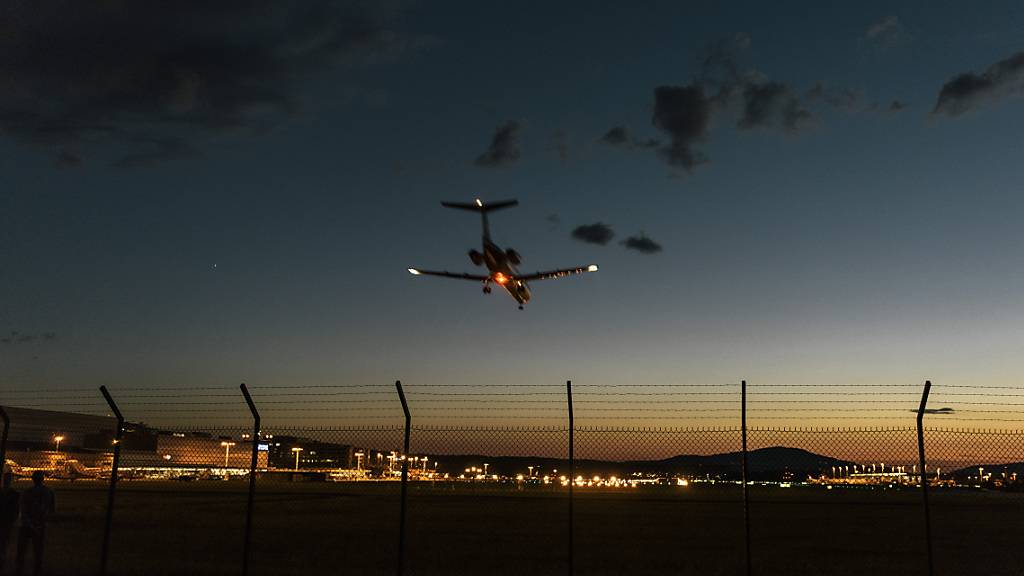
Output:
(501, 278)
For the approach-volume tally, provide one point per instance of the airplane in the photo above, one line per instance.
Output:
(501, 264)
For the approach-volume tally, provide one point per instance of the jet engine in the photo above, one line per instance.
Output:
(476, 257)
(512, 256)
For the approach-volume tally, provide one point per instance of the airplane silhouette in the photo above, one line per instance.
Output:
(501, 264)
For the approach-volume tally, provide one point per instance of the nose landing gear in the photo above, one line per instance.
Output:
(520, 306)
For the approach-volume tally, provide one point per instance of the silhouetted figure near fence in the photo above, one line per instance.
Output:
(8, 516)
(37, 503)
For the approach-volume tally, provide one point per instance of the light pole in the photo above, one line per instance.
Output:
(296, 450)
(485, 470)
(57, 440)
(359, 460)
(227, 451)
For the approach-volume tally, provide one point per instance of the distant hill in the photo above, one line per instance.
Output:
(962, 474)
(763, 464)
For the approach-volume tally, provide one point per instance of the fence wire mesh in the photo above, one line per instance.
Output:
(657, 469)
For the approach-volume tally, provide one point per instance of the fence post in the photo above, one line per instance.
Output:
(112, 490)
(252, 476)
(746, 497)
(405, 478)
(572, 471)
(3, 441)
(924, 474)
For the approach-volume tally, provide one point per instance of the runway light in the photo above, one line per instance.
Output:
(592, 268)
(414, 272)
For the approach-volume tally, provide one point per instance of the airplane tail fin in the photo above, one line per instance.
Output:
(482, 208)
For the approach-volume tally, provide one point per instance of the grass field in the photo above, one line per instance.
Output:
(320, 528)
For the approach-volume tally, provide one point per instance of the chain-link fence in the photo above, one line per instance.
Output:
(660, 479)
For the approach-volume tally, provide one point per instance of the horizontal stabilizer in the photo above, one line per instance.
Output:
(479, 206)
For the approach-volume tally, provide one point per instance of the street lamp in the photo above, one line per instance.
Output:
(296, 450)
(359, 460)
(57, 440)
(227, 451)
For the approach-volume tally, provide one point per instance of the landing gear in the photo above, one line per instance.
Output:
(487, 289)
(520, 306)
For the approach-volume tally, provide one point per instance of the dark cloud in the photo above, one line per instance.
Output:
(684, 113)
(16, 337)
(619, 136)
(967, 90)
(840, 98)
(553, 219)
(642, 244)
(897, 106)
(504, 148)
(616, 136)
(154, 149)
(113, 74)
(68, 159)
(885, 33)
(772, 104)
(596, 233)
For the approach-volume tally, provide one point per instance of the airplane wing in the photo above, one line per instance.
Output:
(556, 273)
(446, 274)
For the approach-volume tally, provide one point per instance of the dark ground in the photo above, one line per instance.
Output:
(319, 528)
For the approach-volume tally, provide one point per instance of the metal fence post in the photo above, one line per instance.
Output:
(746, 497)
(118, 434)
(572, 472)
(3, 441)
(405, 478)
(252, 476)
(924, 474)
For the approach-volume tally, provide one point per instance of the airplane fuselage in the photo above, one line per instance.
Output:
(503, 273)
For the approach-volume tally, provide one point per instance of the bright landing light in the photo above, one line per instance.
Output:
(414, 272)
(592, 268)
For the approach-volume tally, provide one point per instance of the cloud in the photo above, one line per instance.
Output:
(596, 233)
(108, 75)
(839, 98)
(642, 244)
(885, 33)
(684, 114)
(619, 136)
(616, 136)
(897, 106)
(967, 90)
(553, 220)
(504, 148)
(772, 104)
(16, 337)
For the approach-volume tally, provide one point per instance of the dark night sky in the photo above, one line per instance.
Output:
(203, 196)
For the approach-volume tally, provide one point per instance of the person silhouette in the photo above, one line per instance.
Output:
(8, 516)
(37, 503)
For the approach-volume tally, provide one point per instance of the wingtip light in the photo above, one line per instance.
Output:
(592, 268)
(479, 203)
(414, 271)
